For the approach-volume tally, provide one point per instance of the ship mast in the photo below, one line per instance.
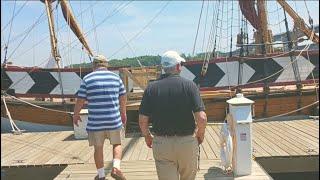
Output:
(53, 39)
(263, 35)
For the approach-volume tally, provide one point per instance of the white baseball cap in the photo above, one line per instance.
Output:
(171, 58)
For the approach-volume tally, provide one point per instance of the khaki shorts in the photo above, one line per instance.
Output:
(96, 138)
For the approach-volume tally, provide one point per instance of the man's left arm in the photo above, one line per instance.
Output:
(123, 109)
(144, 126)
(144, 116)
(123, 103)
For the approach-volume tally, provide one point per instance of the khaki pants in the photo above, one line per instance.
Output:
(174, 156)
(96, 138)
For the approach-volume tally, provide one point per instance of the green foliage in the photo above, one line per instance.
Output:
(146, 60)
(132, 62)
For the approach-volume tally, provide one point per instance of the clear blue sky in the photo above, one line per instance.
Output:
(173, 29)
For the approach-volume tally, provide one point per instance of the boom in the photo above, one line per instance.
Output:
(299, 22)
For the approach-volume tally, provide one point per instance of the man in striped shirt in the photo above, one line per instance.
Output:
(105, 94)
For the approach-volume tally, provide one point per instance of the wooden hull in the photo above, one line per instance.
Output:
(276, 103)
(27, 113)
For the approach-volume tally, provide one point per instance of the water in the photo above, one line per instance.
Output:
(31, 173)
(32, 127)
(295, 176)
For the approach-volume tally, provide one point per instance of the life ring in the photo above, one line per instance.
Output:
(226, 147)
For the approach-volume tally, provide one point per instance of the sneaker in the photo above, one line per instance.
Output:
(117, 174)
(97, 178)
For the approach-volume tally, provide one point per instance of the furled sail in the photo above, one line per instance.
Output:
(248, 10)
(71, 21)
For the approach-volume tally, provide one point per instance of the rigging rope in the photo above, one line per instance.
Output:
(5, 26)
(10, 30)
(14, 127)
(195, 39)
(118, 9)
(95, 30)
(137, 34)
(205, 29)
(37, 106)
(59, 28)
(37, 21)
(231, 29)
(125, 40)
(26, 35)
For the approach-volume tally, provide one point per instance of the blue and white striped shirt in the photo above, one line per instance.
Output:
(102, 89)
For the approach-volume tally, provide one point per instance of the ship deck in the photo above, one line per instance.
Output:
(271, 140)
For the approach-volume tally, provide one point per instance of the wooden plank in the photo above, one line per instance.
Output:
(270, 141)
(11, 143)
(292, 138)
(265, 143)
(258, 151)
(146, 170)
(45, 150)
(137, 149)
(212, 143)
(301, 137)
(215, 145)
(55, 144)
(133, 78)
(19, 155)
(144, 151)
(307, 125)
(283, 142)
(302, 130)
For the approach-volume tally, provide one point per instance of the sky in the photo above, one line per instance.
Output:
(129, 28)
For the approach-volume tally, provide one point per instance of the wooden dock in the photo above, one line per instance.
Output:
(144, 169)
(295, 138)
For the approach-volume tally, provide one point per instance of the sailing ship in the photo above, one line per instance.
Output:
(281, 82)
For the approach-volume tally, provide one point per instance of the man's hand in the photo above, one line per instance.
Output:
(148, 138)
(200, 136)
(76, 119)
(124, 119)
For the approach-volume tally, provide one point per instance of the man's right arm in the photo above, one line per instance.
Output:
(77, 108)
(201, 120)
(198, 111)
(81, 99)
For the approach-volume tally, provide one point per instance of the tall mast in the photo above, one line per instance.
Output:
(263, 35)
(53, 38)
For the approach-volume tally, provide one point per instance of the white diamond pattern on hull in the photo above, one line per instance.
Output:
(287, 74)
(305, 67)
(21, 81)
(230, 70)
(247, 73)
(186, 73)
(70, 82)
